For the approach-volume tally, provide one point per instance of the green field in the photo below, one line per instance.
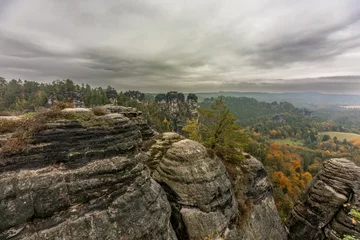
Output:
(341, 135)
(288, 141)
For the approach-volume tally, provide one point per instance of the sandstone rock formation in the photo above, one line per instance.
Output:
(258, 218)
(199, 191)
(70, 142)
(136, 116)
(77, 182)
(158, 148)
(323, 211)
(176, 109)
(89, 180)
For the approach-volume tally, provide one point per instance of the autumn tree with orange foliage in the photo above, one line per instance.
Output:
(288, 176)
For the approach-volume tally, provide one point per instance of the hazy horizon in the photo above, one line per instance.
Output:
(189, 46)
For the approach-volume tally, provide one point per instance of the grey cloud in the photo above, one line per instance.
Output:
(184, 45)
(22, 48)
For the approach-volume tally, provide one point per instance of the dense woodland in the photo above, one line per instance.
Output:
(286, 139)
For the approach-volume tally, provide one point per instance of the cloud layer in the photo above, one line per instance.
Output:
(202, 45)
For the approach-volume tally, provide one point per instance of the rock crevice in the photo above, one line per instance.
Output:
(323, 211)
(199, 190)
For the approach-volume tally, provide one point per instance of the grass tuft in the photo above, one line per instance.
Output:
(10, 125)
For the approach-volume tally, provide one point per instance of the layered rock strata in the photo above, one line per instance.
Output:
(78, 182)
(325, 208)
(259, 218)
(159, 147)
(199, 191)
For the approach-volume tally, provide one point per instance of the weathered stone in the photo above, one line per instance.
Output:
(146, 131)
(198, 189)
(12, 118)
(79, 182)
(136, 116)
(323, 209)
(77, 110)
(71, 143)
(258, 218)
(158, 149)
(126, 111)
(112, 198)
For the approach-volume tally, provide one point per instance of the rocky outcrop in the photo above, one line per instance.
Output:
(175, 161)
(158, 148)
(75, 143)
(77, 182)
(258, 217)
(176, 109)
(324, 210)
(95, 179)
(136, 116)
(199, 191)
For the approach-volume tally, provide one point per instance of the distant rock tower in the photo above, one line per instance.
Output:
(176, 109)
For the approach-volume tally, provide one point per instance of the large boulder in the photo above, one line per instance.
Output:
(199, 191)
(325, 207)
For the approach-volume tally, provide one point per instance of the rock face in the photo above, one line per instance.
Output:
(323, 211)
(158, 149)
(82, 183)
(70, 142)
(136, 116)
(259, 218)
(199, 191)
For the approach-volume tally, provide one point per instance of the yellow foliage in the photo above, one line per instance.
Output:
(193, 129)
(281, 180)
(306, 177)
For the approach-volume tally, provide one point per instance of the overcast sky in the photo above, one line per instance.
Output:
(185, 45)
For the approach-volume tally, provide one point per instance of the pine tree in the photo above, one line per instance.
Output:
(217, 130)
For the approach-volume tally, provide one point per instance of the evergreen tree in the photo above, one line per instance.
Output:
(217, 130)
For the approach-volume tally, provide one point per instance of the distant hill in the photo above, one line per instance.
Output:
(247, 110)
(301, 99)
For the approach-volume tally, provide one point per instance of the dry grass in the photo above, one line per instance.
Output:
(9, 125)
(103, 122)
(24, 129)
(245, 208)
(61, 105)
(9, 113)
(27, 128)
(14, 145)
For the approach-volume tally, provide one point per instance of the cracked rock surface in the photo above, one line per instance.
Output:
(199, 191)
(82, 183)
(323, 209)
